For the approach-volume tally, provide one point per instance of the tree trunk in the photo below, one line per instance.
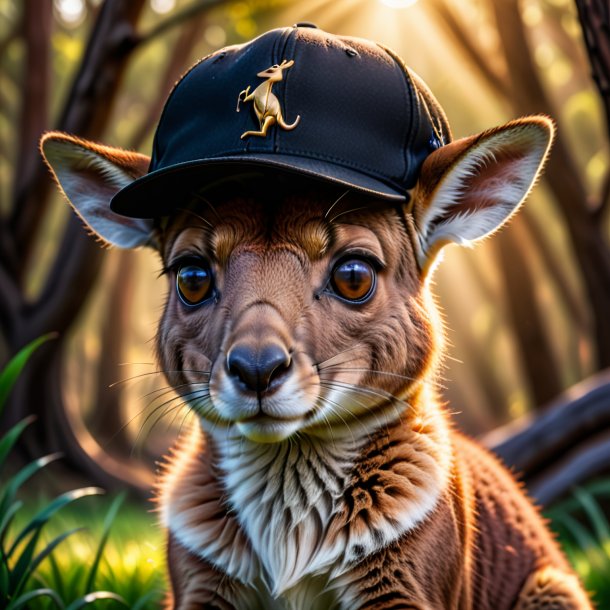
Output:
(586, 234)
(37, 20)
(535, 353)
(107, 418)
(79, 257)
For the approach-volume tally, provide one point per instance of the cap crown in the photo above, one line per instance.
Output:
(362, 117)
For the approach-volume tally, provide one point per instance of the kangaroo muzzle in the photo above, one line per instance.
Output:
(258, 367)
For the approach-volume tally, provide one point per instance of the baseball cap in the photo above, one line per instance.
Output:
(340, 109)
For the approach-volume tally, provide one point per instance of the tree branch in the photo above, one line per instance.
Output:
(604, 201)
(535, 442)
(34, 103)
(13, 34)
(594, 18)
(106, 419)
(539, 368)
(554, 268)
(175, 20)
(563, 176)
(86, 110)
(173, 70)
(590, 460)
(10, 302)
(465, 41)
(77, 264)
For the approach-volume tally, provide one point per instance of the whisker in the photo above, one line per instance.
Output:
(365, 390)
(136, 363)
(324, 363)
(328, 423)
(143, 432)
(189, 211)
(351, 391)
(207, 202)
(436, 384)
(356, 417)
(186, 414)
(346, 212)
(184, 398)
(162, 392)
(161, 372)
(335, 203)
(168, 388)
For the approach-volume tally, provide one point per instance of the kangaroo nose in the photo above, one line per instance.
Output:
(258, 368)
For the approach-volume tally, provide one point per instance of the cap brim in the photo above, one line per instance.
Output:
(162, 191)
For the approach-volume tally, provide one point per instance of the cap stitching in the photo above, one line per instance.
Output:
(168, 100)
(285, 38)
(414, 103)
(400, 191)
(293, 151)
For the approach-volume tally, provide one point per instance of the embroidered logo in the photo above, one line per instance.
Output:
(266, 104)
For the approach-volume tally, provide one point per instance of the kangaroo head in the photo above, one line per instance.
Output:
(274, 73)
(301, 308)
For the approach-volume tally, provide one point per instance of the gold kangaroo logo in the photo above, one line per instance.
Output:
(266, 104)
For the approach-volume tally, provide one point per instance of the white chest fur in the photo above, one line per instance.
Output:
(273, 516)
(284, 496)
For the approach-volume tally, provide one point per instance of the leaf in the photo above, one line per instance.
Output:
(142, 601)
(39, 520)
(4, 578)
(11, 371)
(585, 540)
(108, 521)
(23, 600)
(92, 597)
(6, 519)
(10, 438)
(21, 477)
(28, 565)
(56, 574)
(594, 513)
(21, 570)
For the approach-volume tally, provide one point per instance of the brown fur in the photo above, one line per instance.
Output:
(483, 540)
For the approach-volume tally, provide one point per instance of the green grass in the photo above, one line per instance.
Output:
(583, 527)
(131, 564)
(46, 559)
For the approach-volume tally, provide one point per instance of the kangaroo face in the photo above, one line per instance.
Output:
(274, 73)
(293, 310)
(293, 317)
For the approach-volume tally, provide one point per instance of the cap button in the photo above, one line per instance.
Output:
(305, 24)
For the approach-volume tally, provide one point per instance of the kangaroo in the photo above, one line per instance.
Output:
(323, 471)
(266, 105)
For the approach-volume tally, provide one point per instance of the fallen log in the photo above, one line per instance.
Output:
(562, 445)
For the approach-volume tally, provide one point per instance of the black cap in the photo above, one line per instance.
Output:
(343, 109)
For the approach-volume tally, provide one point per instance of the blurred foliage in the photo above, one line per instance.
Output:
(22, 546)
(584, 532)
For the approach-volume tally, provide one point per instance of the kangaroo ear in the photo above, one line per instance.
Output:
(471, 187)
(89, 175)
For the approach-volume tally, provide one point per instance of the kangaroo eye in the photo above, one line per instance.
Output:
(353, 279)
(194, 284)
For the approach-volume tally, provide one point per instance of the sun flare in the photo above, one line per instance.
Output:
(398, 3)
